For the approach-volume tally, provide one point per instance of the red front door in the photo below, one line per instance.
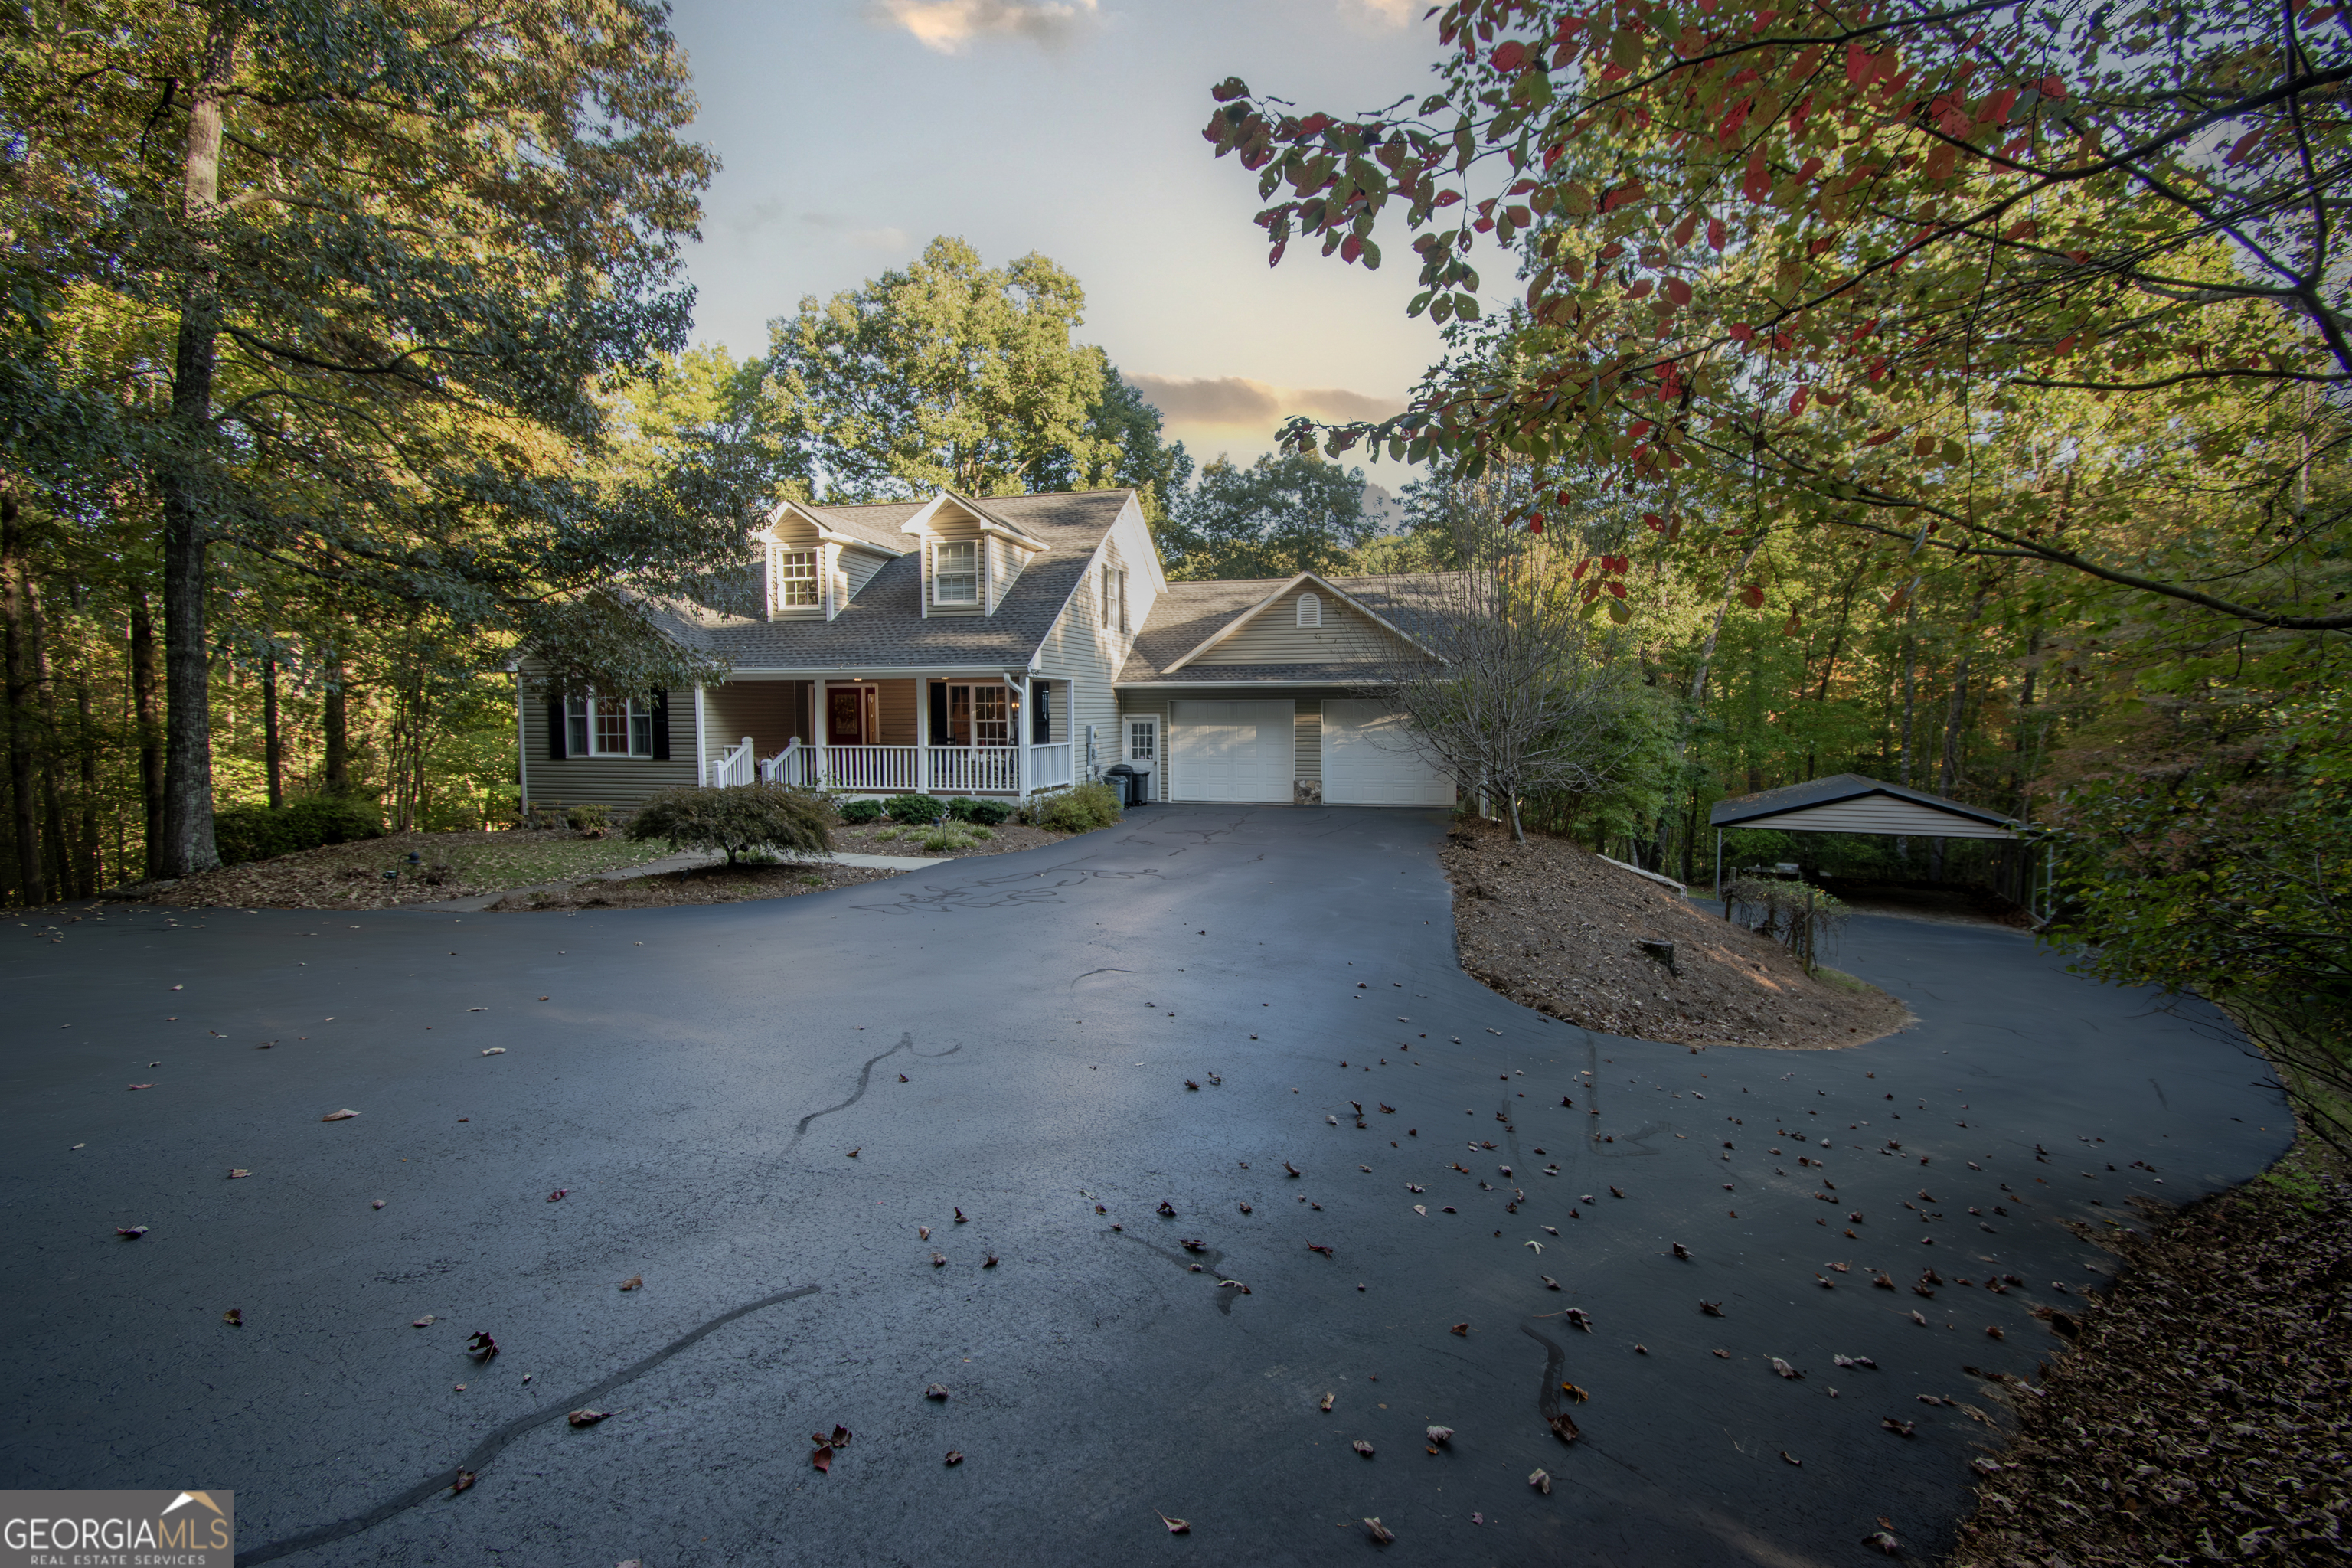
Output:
(845, 716)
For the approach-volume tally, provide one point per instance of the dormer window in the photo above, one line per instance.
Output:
(796, 578)
(955, 572)
(1310, 610)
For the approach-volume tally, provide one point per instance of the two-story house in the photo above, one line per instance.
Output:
(999, 648)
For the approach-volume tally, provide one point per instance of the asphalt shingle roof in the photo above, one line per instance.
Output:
(884, 624)
(1190, 613)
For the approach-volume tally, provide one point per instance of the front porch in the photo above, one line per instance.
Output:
(945, 734)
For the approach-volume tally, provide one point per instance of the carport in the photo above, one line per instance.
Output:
(1852, 802)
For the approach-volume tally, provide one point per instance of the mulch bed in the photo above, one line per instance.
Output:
(1008, 837)
(696, 885)
(1555, 927)
(343, 876)
(2204, 1412)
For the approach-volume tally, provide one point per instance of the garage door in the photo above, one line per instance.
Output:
(1368, 759)
(1233, 751)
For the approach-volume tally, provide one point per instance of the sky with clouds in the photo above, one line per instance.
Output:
(854, 131)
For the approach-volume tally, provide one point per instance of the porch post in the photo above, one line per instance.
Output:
(816, 722)
(1718, 874)
(701, 751)
(923, 734)
(1021, 741)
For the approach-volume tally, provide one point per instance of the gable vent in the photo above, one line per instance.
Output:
(1310, 610)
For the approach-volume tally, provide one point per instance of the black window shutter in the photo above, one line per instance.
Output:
(1041, 711)
(938, 713)
(661, 725)
(556, 728)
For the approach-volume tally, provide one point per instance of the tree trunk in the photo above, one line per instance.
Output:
(1707, 649)
(187, 829)
(88, 871)
(272, 761)
(151, 729)
(1910, 693)
(44, 687)
(334, 716)
(31, 887)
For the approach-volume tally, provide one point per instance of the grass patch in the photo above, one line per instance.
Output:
(1842, 980)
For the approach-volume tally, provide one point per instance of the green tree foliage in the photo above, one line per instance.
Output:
(1279, 516)
(352, 269)
(949, 373)
(736, 820)
(1126, 432)
(1816, 250)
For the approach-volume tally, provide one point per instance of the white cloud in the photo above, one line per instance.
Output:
(887, 236)
(1241, 401)
(946, 26)
(1395, 12)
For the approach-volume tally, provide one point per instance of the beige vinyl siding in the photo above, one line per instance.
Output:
(1075, 654)
(1310, 736)
(1275, 637)
(619, 782)
(894, 702)
(1006, 562)
(857, 569)
(771, 712)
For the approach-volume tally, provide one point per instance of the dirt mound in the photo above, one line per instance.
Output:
(1556, 928)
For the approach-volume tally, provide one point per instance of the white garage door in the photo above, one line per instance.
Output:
(1234, 750)
(1368, 759)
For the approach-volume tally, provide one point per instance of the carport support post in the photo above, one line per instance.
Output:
(1718, 875)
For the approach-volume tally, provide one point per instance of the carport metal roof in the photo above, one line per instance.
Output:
(1850, 803)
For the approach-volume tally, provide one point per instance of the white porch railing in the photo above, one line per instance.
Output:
(787, 766)
(969, 770)
(1049, 766)
(736, 767)
(869, 768)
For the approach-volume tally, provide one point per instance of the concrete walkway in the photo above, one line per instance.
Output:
(752, 1107)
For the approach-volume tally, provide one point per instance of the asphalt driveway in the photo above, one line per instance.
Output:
(753, 1108)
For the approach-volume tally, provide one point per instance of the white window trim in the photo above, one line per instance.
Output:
(814, 581)
(979, 559)
(585, 708)
(1310, 609)
(1128, 727)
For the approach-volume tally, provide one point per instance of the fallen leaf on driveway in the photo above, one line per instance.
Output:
(959, 1218)
(955, 1456)
(936, 1391)
(143, 1086)
(634, 1282)
(1549, 1283)
(234, 1173)
(1616, 1191)
(1361, 1447)
(1900, 1428)
(1291, 1168)
(1381, 1532)
(1326, 1251)
(375, 1203)
(496, 1051)
(1175, 1525)
(233, 1316)
(922, 1233)
(1580, 1396)
(939, 1260)
(1422, 1209)
(1884, 1542)
(1463, 1329)
(480, 1345)
(853, 1153)
(131, 1232)
(1563, 1427)
(346, 1116)
(990, 1262)
(587, 1418)
(822, 1457)
(465, 1479)
(1784, 1369)
(425, 1322)
(1325, 1403)
(1712, 1308)
(1441, 1436)
(557, 1196)
(1541, 1481)
(1793, 1459)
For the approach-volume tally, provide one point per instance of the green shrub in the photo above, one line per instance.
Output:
(983, 813)
(589, 821)
(948, 837)
(858, 813)
(915, 807)
(259, 832)
(1078, 810)
(751, 816)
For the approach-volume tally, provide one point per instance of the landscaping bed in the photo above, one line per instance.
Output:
(351, 876)
(887, 839)
(1555, 927)
(718, 884)
(2204, 1412)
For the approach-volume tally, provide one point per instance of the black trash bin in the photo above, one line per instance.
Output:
(1128, 780)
